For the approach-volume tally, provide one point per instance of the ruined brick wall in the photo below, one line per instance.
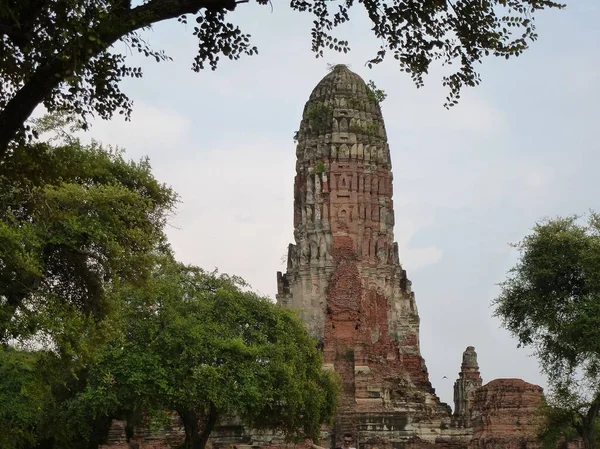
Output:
(505, 415)
(229, 434)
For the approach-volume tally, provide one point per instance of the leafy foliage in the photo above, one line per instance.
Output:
(60, 52)
(196, 343)
(22, 398)
(560, 418)
(374, 93)
(319, 117)
(551, 301)
(75, 222)
(319, 168)
(366, 128)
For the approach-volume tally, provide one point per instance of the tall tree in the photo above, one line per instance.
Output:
(551, 302)
(75, 222)
(22, 398)
(60, 53)
(202, 346)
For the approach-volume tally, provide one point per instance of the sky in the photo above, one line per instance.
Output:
(523, 145)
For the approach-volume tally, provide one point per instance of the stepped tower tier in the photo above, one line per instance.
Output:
(343, 272)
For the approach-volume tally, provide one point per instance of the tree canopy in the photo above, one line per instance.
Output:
(60, 53)
(551, 302)
(75, 221)
(191, 343)
(197, 344)
(98, 322)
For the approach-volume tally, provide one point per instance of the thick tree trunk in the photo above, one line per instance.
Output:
(190, 425)
(589, 438)
(194, 439)
(209, 425)
(588, 431)
(49, 76)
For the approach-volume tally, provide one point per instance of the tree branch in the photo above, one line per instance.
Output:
(116, 25)
(576, 425)
(593, 410)
(86, 253)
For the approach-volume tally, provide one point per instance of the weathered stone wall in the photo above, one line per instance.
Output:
(143, 438)
(229, 434)
(503, 414)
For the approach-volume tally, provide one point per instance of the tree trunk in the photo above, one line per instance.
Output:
(190, 424)
(589, 439)
(588, 431)
(209, 425)
(194, 439)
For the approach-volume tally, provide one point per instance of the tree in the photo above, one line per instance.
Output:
(76, 221)
(77, 224)
(60, 53)
(551, 302)
(200, 345)
(560, 418)
(22, 397)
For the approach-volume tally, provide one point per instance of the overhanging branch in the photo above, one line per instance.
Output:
(75, 56)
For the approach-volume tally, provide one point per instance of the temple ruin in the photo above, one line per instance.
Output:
(345, 279)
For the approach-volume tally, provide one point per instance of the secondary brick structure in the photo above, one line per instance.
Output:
(505, 415)
(469, 380)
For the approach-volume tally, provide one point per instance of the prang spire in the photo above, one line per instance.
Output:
(343, 272)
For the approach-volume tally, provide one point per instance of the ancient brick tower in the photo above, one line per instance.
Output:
(343, 272)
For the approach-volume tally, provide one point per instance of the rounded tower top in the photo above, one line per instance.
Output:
(342, 112)
(341, 81)
(469, 359)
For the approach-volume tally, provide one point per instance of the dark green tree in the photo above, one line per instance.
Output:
(551, 302)
(76, 221)
(60, 53)
(560, 420)
(23, 397)
(201, 345)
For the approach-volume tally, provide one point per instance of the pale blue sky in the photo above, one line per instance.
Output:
(523, 145)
